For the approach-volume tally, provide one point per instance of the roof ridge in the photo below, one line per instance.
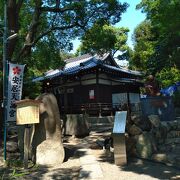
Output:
(78, 58)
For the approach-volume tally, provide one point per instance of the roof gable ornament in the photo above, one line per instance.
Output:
(88, 63)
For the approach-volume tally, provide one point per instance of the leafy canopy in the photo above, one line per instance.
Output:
(164, 16)
(157, 41)
(46, 28)
(102, 38)
(144, 46)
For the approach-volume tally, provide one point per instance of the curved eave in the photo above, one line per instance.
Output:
(126, 71)
(42, 78)
(131, 81)
(86, 66)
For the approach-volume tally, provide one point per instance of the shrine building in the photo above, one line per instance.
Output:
(95, 85)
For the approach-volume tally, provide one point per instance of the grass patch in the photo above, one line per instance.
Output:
(16, 174)
(14, 163)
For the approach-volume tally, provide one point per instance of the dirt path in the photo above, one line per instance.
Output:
(84, 160)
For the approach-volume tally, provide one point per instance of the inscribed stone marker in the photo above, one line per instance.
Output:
(119, 138)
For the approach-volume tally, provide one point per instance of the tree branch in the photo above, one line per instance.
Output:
(32, 29)
(31, 44)
(55, 9)
(53, 29)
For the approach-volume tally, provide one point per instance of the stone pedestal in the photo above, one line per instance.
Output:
(49, 153)
(76, 124)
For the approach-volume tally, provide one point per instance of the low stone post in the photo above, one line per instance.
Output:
(119, 138)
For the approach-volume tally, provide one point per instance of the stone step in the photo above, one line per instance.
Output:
(177, 118)
(102, 124)
(94, 120)
(172, 141)
(101, 129)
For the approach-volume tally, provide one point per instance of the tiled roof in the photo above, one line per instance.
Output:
(68, 71)
(72, 62)
(85, 56)
(85, 64)
(50, 75)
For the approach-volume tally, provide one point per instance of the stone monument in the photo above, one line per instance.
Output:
(47, 147)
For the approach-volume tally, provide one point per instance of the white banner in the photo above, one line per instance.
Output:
(15, 84)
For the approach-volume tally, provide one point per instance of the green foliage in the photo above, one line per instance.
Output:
(16, 174)
(102, 38)
(164, 16)
(157, 41)
(168, 76)
(14, 170)
(46, 56)
(144, 43)
(121, 39)
(86, 14)
(51, 31)
(14, 163)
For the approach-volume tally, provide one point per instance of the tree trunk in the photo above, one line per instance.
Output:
(13, 9)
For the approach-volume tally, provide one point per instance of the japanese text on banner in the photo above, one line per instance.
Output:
(15, 84)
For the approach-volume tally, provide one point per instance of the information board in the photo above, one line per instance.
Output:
(27, 112)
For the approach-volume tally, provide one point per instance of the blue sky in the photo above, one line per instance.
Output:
(131, 18)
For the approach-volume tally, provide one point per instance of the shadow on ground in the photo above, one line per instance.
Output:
(140, 166)
(144, 167)
(67, 170)
(153, 169)
(58, 173)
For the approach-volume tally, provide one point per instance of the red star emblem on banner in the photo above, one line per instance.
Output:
(16, 70)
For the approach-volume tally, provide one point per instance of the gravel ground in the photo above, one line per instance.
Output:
(136, 169)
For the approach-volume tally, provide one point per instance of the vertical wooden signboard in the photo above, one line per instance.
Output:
(27, 113)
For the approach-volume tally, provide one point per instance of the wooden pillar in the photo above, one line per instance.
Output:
(26, 145)
(97, 91)
(65, 99)
(97, 85)
(129, 103)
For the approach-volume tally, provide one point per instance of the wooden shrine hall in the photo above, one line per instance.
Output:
(95, 85)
